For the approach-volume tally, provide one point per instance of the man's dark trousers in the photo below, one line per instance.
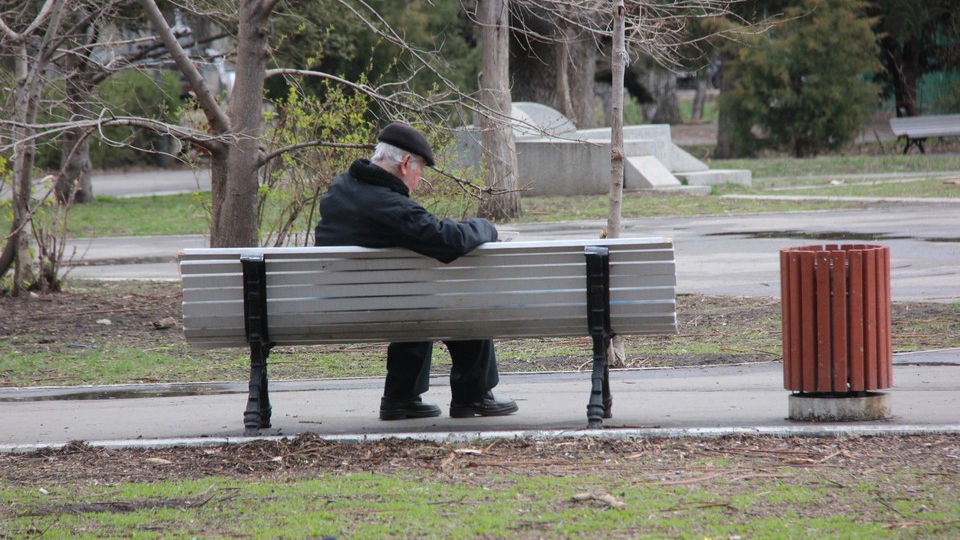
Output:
(473, 374)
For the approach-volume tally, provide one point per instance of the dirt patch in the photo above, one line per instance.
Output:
(137, 314)
(723, 461)
(146, 316)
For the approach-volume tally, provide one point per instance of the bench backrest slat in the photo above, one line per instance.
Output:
(348, 294)
(926, 126)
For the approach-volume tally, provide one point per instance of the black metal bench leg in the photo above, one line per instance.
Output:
(257, 414)
(598, 322)
(607, 396)
(600, 387)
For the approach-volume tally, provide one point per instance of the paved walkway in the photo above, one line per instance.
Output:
(699, 401)
(729, 255)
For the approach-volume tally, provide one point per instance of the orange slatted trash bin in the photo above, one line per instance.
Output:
(836, 331)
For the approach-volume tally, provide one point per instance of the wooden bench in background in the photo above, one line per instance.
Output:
(917, 129)
(265, 297)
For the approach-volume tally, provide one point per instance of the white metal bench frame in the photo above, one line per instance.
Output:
(262, 297)
(917, 129)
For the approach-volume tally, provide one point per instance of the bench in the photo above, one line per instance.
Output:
(916, 129)
(264, 297)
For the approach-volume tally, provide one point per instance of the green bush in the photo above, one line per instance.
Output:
(133, 93)
(129, 93)
(805, 86)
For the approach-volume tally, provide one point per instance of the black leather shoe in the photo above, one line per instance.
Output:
(398, 409)
(488, 406)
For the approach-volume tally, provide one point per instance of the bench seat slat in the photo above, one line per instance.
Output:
(278, 293)
(657, 287)
(543, 312)
(379, 326)
(507, 329)
(547, 307)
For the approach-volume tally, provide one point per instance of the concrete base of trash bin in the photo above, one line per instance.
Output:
(813, 407)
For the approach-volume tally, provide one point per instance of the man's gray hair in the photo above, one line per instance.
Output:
(389, 154)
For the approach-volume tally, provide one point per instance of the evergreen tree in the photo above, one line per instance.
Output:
(806, 85)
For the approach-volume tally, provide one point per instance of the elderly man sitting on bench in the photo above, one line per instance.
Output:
(369, 205)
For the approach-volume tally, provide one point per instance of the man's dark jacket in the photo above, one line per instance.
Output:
(367, 206)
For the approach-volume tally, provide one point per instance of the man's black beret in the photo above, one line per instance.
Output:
(405, 137)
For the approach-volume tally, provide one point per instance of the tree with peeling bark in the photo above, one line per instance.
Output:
(497, 135)
(616, 354)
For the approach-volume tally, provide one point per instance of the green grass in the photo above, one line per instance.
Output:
(141, 216)
(496, 505)
(187, 214)
(85, 364)
(800, 169)
(710, 110)
(656, 205)
(923, 188)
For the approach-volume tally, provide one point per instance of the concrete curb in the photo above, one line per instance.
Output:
(827, 198)
(825, 431)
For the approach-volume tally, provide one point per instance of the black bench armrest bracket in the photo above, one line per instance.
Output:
(598, 320)
(257, 414)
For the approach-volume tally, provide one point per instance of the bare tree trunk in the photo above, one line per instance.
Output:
(616, 356)
(616, 122)
(567, 83)
(234, 163)
(562, 60)
(583, 83)
(28, 98)
(700, 97)
(575, 60)
(905, 74)
(497, 134)
(726, 146)
(662, 84)
(74, 184)
(236, 223)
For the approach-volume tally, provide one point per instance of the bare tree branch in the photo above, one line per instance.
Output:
(654, 28)
(200, 138)
(45, 11)
(270, 156)
(205, 98)
(362, 88)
